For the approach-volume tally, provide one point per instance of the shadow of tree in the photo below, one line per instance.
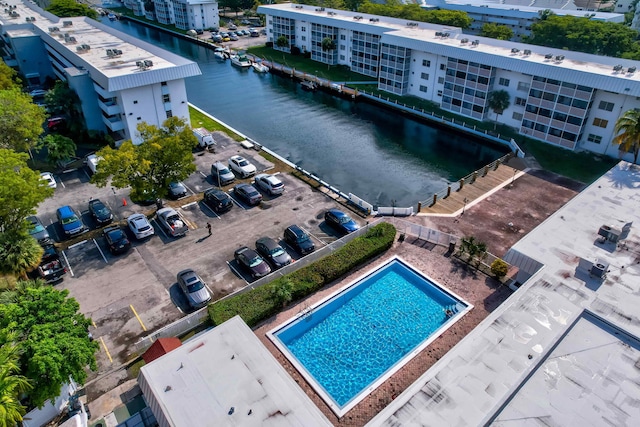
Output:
(624, 175)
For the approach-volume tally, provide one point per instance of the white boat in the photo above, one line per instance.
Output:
(308, 85)
(219, 53)
(240, 60)
(259, 67)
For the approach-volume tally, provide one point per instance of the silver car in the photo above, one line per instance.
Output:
(221, 174)
(140, 226)
(194, 288)
(269, 184)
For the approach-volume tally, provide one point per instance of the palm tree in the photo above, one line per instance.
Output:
(11, 385)
(59, 148)
(19, 253)
(498, 101)
(627, 130)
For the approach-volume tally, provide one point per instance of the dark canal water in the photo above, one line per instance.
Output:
(379, 155)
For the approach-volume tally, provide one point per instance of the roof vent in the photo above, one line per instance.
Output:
(599, 269)
(515, 50)
(463, 41)
(357, 18)
(618, 67)
(71, 40)
(54, 29)
(475, 42)
(331, 13)
(67, 23)
(148, 63)
(298, 6)
(527, 52)
(374, 19)
(559, 58)
(412, 24)
(631, 70)
(548, 56)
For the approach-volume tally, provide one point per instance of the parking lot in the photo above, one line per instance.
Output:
(130, 295)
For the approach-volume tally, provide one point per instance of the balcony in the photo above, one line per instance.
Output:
(110, 108)
(102, 92)
(113, 123)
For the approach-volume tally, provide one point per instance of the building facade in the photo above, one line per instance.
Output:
(120, 80)
(184, 14)
(568, 99)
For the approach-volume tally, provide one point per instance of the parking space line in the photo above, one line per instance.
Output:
(66, 261)
(85, 172)
(211, 210)
(159, 227)
(100, 250)
(187, 187)
(61, 183)
(144, 328)
(106, 350)
(190, 224)
(77, 244)
(237, 272)
(237, 203)
(315, 237)
(203, 174)
(187, 205)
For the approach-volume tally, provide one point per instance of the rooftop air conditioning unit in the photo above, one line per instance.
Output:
(298, 6)
(527, 52)
(559, 58)
(548, 56)
(438, 34)
(374, 19)
(139, 64)
(54, 29)
(475, 43)
(599, 269)
(463, 41)
(148, 63)
(445, 35)
(71, 40)
(117, 51)
(33, 19)
(617, 68)
(515, 50)
(357, 18)
(67, 23)
(631, 70)
(110, 52)
(331, 13)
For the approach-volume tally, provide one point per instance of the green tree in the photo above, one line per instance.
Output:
(164, 156)
(12, 384)
(71, 8)
(53, 336)
(20, 120)
(412, 11)
(499, 268)
(496, 31)
(498, 101)
(627, 131)
(59, 148)
(19, 253)
(282, 41)
(61, 99)
(283, 291)
(21, 190)
(8, 77)
(473, 248)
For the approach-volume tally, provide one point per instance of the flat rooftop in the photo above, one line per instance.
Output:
(227, 377)
(116, 72)
(564, 331)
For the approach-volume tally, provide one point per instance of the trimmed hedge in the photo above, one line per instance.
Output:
(260, 303)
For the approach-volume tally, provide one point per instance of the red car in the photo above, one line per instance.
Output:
(54, 122)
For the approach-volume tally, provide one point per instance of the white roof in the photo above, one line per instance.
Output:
(591, 70)
(112, 73)
(227, 367)
(565, 345)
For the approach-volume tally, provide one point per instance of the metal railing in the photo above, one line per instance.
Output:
(175, 329)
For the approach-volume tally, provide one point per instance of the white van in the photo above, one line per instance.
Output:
(92, 163)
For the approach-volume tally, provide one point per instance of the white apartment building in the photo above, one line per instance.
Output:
(568, 99)
(184, 14)
(120, 80)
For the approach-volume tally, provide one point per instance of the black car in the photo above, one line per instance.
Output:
(340, 221)
(117, 241)
(177, 190)
(270, 250)
(217, 200)
(299, 240)
(252, 262)
(100, 212)
(248, 194)
(51, 268)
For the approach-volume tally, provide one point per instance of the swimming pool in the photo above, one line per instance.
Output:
(352, 341)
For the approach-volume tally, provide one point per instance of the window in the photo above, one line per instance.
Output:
(606, 106)
(516, 116)
(163, 83)
(304, 38)
(138, 118)
(443, 67)
(423, 89)
(600, 122)
(523, 86)
(169, 114)
(503, 82)
(426, 63)
(440, 80)
(521, 101)
(439, 93)
(424, 76)
(596, 139)
(166, 98)
(342, 58)
(343, 37)
(135, 102)
(303, 29)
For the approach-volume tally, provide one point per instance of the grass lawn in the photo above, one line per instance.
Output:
(200, 120)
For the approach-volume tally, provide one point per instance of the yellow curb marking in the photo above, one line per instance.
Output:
(144, 328)
(105, 350)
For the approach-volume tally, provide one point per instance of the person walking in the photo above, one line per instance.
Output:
(209, 228)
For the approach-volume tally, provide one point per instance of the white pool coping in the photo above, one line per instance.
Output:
(340, 411)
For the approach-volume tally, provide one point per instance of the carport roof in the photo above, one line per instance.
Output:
(161, 347)
(226, 377)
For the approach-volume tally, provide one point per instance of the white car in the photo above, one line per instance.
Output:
(140, 226)
(241, 166)
(49, 179)
(269, 184)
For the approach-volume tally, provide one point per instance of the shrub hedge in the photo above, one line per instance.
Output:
(260, 303)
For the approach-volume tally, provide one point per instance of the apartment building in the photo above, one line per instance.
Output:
(568, 99)
(184, 14)
(120, 80)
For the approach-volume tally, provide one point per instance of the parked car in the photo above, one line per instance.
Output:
(241, 166)
(116, 239)
(70, 221)
(299, 240)
(194, 288)
(232, 27)
(177, 190)
(55, 123)
(140, 226)
(248, 193)
(217, 200)
(269, 184)
(100, 212)
(49, 179)
(252, 262)
(340, 221)
(233, 37)
(51, 268)
(221, 174)
(37, 93)
(275, 254)
(217, 38)
(37, 230)
(171, 222)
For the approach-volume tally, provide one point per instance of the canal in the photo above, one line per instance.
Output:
(379, 155)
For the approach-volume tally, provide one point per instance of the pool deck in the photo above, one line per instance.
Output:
(483, 292)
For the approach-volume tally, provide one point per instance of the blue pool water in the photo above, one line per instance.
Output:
(359, 334)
